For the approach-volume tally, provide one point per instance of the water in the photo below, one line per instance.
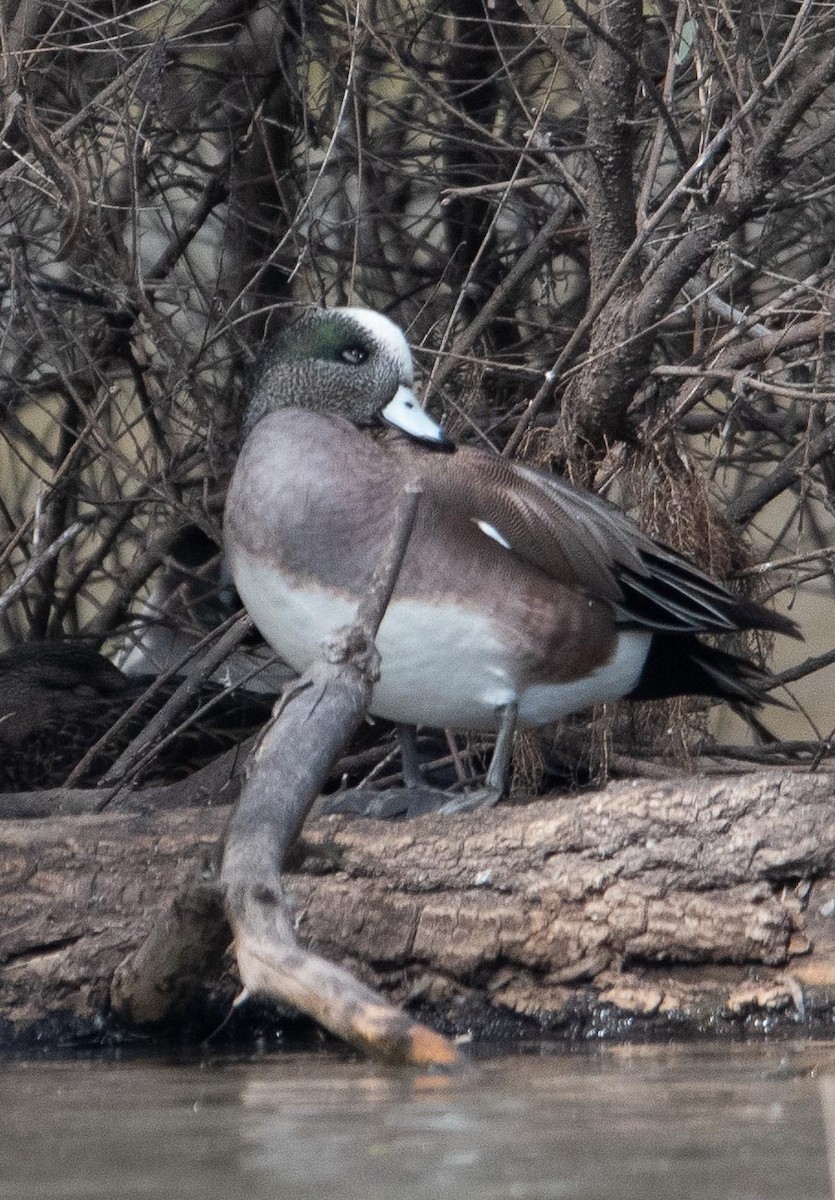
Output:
(724, 1122)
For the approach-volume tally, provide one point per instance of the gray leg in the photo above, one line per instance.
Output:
(500, 762)
(412, 774)
(495, 785)
(418, 797)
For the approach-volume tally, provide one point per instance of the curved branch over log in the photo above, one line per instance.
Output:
(312, 723)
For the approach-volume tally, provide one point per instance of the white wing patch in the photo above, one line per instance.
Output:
(492, 532)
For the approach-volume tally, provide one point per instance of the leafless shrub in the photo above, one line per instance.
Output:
(609, 236)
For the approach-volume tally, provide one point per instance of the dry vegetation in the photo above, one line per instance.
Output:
(608, 234)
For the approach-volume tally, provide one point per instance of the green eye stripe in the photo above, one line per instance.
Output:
(331, 341)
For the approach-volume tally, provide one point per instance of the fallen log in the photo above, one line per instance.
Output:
(701, 903)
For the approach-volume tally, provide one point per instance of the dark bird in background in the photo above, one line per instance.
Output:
(57, 699)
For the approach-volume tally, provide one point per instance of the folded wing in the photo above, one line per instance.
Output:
(583, 541)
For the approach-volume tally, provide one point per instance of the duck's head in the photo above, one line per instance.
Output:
(350, 361)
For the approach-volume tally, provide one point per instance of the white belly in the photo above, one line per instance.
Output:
(449, 671)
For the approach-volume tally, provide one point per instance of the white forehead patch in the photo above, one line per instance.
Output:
(388, 335)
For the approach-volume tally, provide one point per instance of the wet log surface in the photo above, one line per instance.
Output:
(692, 903)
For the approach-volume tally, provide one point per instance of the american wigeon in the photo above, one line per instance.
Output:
(521, 598)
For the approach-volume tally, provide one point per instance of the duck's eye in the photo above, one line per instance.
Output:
(354, 355)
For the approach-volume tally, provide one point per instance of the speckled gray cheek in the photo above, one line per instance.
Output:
(356, 392)
(360, 394)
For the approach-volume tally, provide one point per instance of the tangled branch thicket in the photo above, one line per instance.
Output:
(608, 231)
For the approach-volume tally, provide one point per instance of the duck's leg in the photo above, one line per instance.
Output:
(409, 758)
(495, 785)
(418, 797)
(499, 768)
(415, 799)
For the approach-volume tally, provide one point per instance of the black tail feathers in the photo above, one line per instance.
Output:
(679, 665)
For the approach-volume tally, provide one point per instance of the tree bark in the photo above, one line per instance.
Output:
(693, 900)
